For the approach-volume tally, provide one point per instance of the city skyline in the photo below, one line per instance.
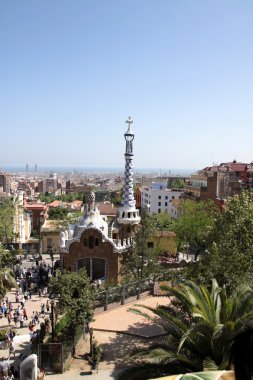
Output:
(72, 72)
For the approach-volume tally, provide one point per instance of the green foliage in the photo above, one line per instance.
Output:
(200, 325)
(58, 213)
(196, 223)
(162, 222)
(62, 326)
(140, 261)
(49, 198)
(96, 352)
(3, 331)
(7, 279)
(75, 297)
(116, 197)
(7, 211)
(230, 247)
(177, 183)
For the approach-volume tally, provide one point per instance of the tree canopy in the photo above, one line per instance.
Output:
(7, 211)
(195, 223)
(140, 261)
(75, 297)
(230, 247)
(58, 213)
(162, 222)
(7, 279)
(49, 198)
(177, 183)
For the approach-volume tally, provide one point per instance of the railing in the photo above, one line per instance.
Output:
(120, 295)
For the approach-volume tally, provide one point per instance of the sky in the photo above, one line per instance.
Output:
(72, 71)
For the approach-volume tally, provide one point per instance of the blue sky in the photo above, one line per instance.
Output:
(71, 71)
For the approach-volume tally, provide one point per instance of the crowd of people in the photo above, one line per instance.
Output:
(30, 283)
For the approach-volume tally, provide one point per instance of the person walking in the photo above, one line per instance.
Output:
(25, 314)
(12, 349)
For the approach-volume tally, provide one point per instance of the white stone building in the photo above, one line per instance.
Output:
(157, 198)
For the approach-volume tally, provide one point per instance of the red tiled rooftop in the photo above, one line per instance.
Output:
(55, 204)
(107, 209)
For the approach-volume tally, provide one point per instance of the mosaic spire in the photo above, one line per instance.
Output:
(128, 195)
(127, 212)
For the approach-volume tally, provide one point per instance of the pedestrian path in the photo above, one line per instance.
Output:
(23, 335)
(118, 331)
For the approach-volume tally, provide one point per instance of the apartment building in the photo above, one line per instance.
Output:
(157, 198)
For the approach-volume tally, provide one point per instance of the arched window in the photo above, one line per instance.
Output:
(91, 242)
(97, 242)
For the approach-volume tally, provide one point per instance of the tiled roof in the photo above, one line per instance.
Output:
(55, 204)
(35, 206)
(235, 166)
(107, 208)
(77, 203)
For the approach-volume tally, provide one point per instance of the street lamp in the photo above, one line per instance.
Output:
(52, 317)
(51, 253)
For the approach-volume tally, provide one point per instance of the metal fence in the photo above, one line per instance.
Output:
(55, 357)
(122, 294)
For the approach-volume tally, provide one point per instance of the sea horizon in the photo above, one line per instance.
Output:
(111, 170)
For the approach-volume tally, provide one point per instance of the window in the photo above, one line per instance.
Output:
(159, 197)
(96, 242)
(159, 211)
(166, 196)
(150, 244)
(91, 242)
(166, 204)
(49, 243)
(159, 203)
(173, 197)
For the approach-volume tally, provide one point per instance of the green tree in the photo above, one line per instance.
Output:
(7, 211)
(230, 257)
(200, 323)
(75, 297)
(177, 183)
(116, 197)
(7, 279)
(162, 222)
(47, 198)
(58, 213)
(140, 261)
(195, 224)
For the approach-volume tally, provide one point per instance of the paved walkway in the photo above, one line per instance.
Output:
(22, 339)
(117, 331)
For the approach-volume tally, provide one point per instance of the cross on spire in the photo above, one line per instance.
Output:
(129, 121)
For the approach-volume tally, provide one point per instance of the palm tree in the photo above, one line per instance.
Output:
(200, 325)
(7, 279)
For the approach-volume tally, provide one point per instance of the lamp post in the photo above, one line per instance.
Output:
(52, 317)
(52, 260)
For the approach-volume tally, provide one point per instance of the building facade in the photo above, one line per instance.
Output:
(157, 198)
(97, 243)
